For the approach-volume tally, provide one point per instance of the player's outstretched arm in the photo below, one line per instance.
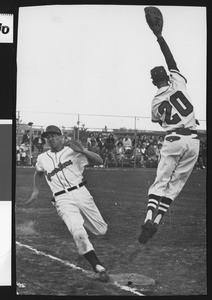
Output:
(37, 178)
(154, 19)
(167, 53)
(91, 156)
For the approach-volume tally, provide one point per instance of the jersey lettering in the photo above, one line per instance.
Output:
(166, 107)
(61, 166)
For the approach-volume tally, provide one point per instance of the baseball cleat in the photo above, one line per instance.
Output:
(145, 228)
(153, 230)
(147, 231)
(103, 276)
(102, 273)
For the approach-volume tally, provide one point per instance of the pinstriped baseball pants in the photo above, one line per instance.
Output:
(79, 211)
(177, 159)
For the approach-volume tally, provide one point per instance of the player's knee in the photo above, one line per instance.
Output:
(79, 235)
(81, 239)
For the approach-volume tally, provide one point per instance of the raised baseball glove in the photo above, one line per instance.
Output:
(154, 19)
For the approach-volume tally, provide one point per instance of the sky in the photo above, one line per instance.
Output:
(91, 63)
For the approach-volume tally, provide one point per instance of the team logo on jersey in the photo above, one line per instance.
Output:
(61, 166)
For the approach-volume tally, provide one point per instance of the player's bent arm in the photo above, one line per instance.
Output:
(37, 179)
(92, 157)
(167, 54)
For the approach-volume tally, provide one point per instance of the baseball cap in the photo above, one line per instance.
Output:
(51, 129)
(158, 74)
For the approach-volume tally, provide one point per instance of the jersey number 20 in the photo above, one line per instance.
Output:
(166, 107)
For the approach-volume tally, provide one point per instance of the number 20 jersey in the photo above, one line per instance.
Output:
(172, 105)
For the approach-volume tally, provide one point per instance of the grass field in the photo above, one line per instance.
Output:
(175, 257)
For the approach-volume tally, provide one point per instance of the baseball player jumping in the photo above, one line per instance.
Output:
(63, 167)
(173, 110)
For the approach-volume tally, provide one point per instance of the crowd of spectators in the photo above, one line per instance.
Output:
(141, 151)
(23, 151)
(123, 150)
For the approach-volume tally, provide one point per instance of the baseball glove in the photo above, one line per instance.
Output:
(154, 19)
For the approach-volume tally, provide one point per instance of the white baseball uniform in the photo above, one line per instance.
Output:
(63, 170)
(173, 108)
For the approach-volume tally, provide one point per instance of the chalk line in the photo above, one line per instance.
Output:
(73, 266)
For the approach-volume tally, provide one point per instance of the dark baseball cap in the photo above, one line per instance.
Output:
(158, 74)
(51, 129)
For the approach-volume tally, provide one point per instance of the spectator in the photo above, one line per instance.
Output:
(147, 142)
(18, 156)
(100, 141)
(138, 155)
(160, 140)
(136, 140)
(144, 138)
(159, 148)
(39, 143)
(152, 156)
(26, 139)
(127, 143)
(109, 150)
(90, 136)
(110, 142)
(155, 143)
(151, 139)
(93, 146)
(120, 140)
(144, 154)
(24, 153)
(120, 153)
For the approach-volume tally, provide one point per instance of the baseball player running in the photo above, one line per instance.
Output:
(62, 167)
(173, 110)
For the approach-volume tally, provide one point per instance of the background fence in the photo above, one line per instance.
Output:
(78, 126)
(74, 123)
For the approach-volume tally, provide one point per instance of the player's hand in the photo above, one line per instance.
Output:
(76, 146)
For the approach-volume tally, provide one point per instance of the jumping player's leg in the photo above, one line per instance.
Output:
(169, 159)
(151, 206)
(184, 165)
(179, 177)
(183, 169)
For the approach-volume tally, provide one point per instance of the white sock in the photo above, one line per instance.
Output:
(148, 215)
(158, 219)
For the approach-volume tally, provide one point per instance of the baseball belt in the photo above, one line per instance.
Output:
(71, 188)
(182, 131)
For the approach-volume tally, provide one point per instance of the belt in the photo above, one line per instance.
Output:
(71, 188)
(182, 131)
